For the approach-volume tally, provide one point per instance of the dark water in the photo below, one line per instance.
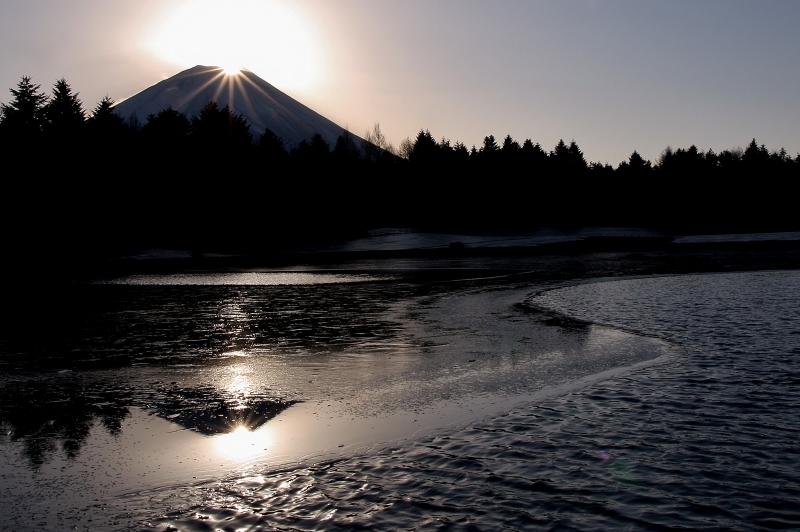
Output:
(704, 439)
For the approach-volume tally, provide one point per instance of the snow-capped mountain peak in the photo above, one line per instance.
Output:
(260, 103)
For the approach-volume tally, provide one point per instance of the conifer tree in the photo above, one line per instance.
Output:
(560, 159)
(460, 152)
(560, 153)
(103, 113)
(320, 149)
(576, 159)
(345, 150)
(490, 145)
(425, 151)
(489, 154)
(635, 164)
(23, 116)
(510, 146)
(63, 114)
(312, 153)
(755, 155)
(106, 126)
(666, 159)
(271, 146)
(730, 160)
(168, 127)
(512, 153)
(219, 127)
(535, 157)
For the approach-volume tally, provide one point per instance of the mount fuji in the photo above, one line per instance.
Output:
(260, 103)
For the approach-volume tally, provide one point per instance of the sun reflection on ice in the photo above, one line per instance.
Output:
(238, 385)
(243, 444)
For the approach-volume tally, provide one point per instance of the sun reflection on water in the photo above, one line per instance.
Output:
(243, 444)
(238, 383)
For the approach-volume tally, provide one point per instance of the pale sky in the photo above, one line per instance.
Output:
(614, 75)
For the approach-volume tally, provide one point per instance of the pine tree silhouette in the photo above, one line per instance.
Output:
(218, 128)
(63, 114)
(271, 146)
(167, 130)
(23, 114)
(104, 113)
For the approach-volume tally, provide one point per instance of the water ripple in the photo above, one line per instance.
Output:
(705, 441)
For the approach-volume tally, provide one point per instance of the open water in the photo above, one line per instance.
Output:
(698, 430)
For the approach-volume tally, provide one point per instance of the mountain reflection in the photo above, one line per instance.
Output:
(207, 411)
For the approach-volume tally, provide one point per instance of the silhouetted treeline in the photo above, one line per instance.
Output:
(93, 182)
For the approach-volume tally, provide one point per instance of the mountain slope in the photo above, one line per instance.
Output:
(260, 103)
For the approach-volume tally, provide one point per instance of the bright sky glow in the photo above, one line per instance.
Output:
(264, 36)
(614, 75)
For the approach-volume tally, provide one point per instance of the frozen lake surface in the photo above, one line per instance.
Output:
(380, 403)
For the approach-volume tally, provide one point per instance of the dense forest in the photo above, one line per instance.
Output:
(88, 182)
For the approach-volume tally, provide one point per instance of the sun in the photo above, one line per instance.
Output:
(265, 36)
